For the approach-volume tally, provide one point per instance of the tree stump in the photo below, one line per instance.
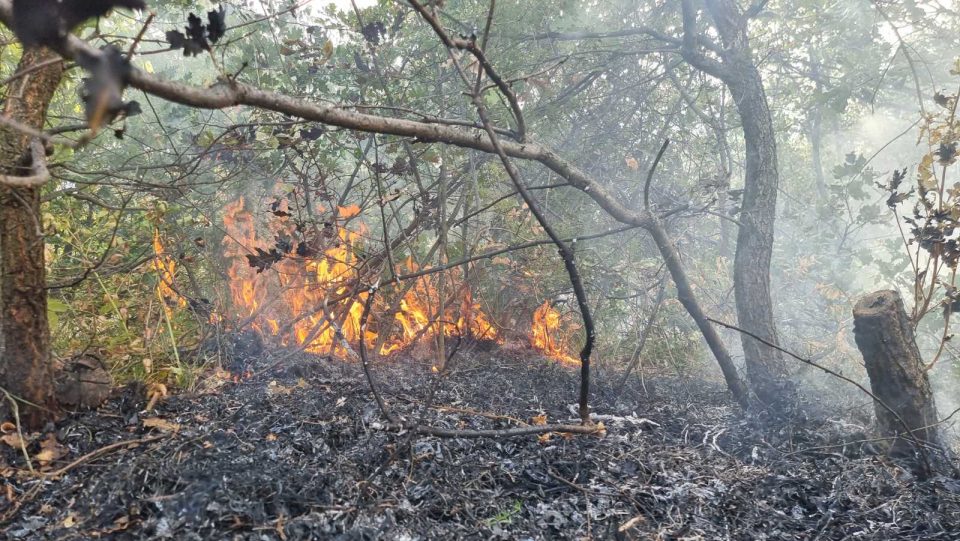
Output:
(884, 335)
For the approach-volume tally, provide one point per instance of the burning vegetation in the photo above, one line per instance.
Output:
(299, 288)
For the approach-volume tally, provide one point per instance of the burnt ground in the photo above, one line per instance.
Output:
(298, 451)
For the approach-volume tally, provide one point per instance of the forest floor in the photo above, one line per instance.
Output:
(299, 451)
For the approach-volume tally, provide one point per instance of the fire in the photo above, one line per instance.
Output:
(295, 299)
(291, 300)
(546, 334)
(165, 267)
(418, 322)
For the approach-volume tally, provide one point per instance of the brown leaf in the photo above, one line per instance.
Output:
(632, 163)
(50, 450)
(12, 439)
(161, 424)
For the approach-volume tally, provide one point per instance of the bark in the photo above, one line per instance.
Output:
(751, 271)
(766, 367)
(884, 334)
(25, 370)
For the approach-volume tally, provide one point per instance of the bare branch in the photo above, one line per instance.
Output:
(38, 167)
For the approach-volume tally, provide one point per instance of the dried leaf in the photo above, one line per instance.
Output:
(50, 450)
(632, 163)
(161, 424)
(12, 439)
(925, 176)
(263, 260)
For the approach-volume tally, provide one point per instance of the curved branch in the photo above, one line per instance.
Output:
(691, 45)
(38, 168)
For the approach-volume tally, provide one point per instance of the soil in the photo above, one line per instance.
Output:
(298, 450)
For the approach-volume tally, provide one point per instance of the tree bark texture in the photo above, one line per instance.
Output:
(884, 334)
(25, 370)
(765, 365)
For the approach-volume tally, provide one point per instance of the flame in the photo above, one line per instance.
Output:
(165, 267)
(418, 322)
(297, 288)
(293, 299)
(546, 332)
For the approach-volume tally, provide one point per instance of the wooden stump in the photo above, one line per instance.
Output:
(884, 334)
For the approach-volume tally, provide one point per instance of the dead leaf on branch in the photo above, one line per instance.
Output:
(198, 36)
(47, 22)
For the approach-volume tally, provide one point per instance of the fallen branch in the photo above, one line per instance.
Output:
(509, 432)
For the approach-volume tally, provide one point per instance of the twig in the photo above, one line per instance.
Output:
(364, 358)
(635, 358)
(100, 452)
(508, 432)
(16, 418)
(653, 169)
(136, 41)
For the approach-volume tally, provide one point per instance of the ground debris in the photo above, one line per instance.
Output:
(299, 452)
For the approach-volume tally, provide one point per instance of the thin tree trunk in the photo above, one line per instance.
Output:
(689, 301)
(736, 68)
(751, 271)
(25, 369)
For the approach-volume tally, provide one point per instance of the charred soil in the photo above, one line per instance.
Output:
(299, 451)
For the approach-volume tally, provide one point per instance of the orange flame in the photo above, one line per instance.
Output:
(165, 267)
(417, 321)
(293, 299)
(546, 334)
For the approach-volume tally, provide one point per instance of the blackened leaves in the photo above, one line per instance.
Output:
(47, 22)
(374, 32)
(942, 100)
(102, 91)
(312, 133)
(946, 153)
(217, 24)
(199, 36)
(276, 208)
(263, 260)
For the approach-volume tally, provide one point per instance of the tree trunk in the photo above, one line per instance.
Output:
(751, 273)
(751, 269)
(884, 334)
(25, 370)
